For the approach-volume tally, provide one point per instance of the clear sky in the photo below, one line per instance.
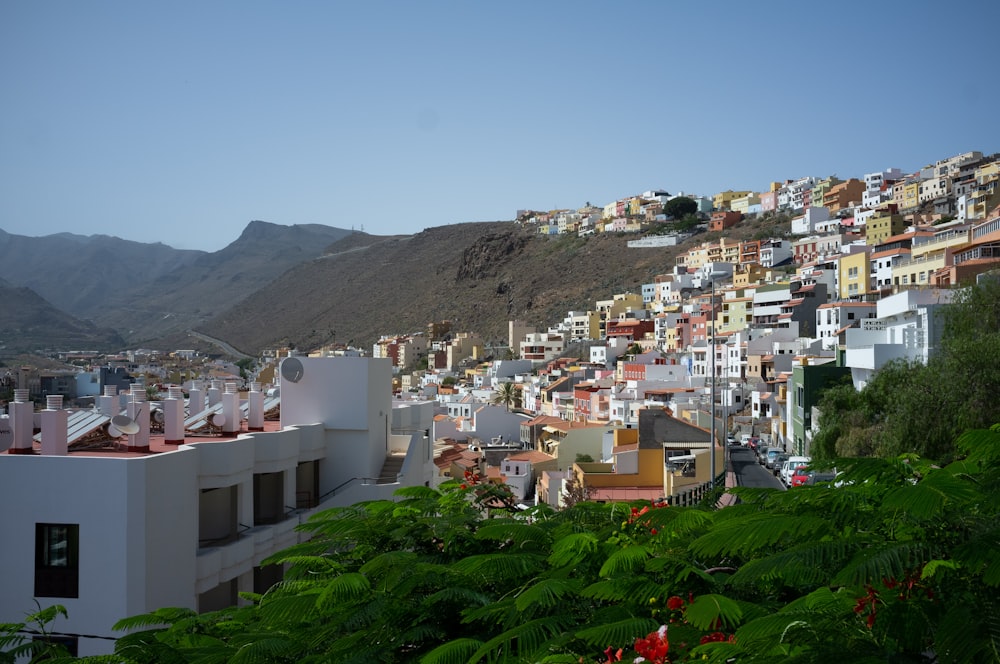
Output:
(183, 121)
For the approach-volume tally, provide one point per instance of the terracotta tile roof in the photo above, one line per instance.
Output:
(531, 456)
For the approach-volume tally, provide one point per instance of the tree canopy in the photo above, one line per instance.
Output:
(897, 562)
(680, 207)
(910, 407)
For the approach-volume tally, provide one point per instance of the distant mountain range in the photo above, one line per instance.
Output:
(305, 285)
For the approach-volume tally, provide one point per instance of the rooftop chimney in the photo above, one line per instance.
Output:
(214, 393)
(108, 402)
(55, 427)
(255, 408)
(196, 399)
(138, 411)
(231, 409)
(22, 421)
(173, 416)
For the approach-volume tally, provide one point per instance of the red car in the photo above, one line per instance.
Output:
(800, 476)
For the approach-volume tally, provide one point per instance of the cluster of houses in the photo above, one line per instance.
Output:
(143, 501)
(740, 334)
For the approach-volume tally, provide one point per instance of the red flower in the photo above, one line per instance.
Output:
(462, 486)
(655, 646)
(675, 603)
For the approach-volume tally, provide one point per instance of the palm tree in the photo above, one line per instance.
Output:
(506, 394)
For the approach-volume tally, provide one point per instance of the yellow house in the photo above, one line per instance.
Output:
(911, 194)
(820, 190)
(928, 257)
(723, 199)
(852, 272)
(743, 203)
(660, 458)
(882, 226)
(737, 310)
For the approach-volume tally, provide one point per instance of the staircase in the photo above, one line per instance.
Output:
(390, 469)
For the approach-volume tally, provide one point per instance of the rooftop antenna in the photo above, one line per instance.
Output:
(122, 425)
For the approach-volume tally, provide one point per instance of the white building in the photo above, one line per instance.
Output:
(109, 533)
(907, 326)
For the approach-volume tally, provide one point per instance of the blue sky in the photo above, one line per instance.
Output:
(181, 122)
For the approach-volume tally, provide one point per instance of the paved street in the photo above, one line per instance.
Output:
(749, 472)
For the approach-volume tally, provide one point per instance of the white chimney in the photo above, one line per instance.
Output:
(196, 399)
(138, 411)
(255, 408)
(231, 409)
(55, 427)
(214, 393)
(173, 416)
(22, 421)
(108, 402)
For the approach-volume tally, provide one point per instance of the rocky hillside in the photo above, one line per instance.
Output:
(478, 275)
(29, 323)
(148, 291)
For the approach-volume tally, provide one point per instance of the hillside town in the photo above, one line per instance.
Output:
(201, 468)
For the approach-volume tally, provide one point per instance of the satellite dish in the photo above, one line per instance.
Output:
(218, 419)
(125, 424)
(292, 369)
(113, 431)
(6, 434)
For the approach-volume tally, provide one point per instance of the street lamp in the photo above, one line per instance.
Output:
(711, 405)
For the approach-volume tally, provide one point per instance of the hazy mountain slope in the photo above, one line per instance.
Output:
(215, 282)
(146, 291)
(29, 323)
(80, 273)
(478, 275)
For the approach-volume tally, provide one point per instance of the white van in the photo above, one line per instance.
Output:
(788, 468)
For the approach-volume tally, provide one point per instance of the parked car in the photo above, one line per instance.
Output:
(761, 454)
(815, 477)
(790, 465)
(776, 462)
(772, 454)
(800, 475)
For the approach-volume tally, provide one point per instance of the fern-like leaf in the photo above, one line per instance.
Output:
(456, 651)
(520, 534)
(264, 651)
(926, 499)
(570, 550)
(545, 594)
(802, 565)
(890, 560)
(419, 492)
(981, 556)
(745, 537)
(626, 560)
(619, 633)
(499, 567)
(522, 641)
(708, 611)
(158, 618)
(345, 588)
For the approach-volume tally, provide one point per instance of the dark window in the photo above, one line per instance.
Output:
(57, 560)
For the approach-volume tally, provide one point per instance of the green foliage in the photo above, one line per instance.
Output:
(901, 562)
(909, 407)
(507, 395)
(680, 207)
